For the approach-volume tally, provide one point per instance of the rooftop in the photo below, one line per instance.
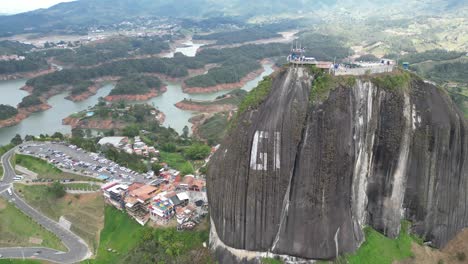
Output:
(115, 141)
(144, 192)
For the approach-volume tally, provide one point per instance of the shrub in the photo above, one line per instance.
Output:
(197, 151)
(392, 82)
(461, 256)
(57, 189)
(255, 97)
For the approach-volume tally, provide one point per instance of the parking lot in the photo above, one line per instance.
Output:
(75, 160)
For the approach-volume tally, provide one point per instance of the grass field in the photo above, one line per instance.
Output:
(178, 162)
(380, 249)
(120, 233)
(85, 211)
(17, 229)
(46, 170)
(37, 165)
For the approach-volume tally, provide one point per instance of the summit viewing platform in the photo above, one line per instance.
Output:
(297, 57)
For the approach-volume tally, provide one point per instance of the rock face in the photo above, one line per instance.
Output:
(301, 180)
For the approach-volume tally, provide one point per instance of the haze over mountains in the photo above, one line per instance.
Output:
(85, 13)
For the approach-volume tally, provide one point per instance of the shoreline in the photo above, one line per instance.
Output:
(225, 86)
(24, 113)
(212, 107)
(25, 75)
(136, 97)
(102, 124)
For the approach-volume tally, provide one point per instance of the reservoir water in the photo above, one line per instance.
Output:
(50, 121)
(10, 93)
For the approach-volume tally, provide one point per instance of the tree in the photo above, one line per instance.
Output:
(131, 131)
(28, 138)
(16, 140)
(77, 133)
(7, 111)
(156, 167)
(197, 151)
(203, 170)
(57, 189)
(109, 133)
(185, 132)
(88, 133)
(169, 147)
(58, 135)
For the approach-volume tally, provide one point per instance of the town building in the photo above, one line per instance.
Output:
(137, 201)
(114, 193)
(116, 142)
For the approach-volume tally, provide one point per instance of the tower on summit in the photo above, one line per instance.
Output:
(297, 56)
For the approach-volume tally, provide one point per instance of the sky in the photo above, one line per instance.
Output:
(19, 6)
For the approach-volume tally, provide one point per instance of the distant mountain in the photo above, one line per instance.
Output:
(80, 14)
(84, 13)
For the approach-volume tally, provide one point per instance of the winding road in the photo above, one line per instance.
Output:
(77, 249)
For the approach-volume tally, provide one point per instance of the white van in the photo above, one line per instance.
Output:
(9, 191)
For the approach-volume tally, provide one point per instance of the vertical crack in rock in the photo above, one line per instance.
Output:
(287, 195)
(393, 210)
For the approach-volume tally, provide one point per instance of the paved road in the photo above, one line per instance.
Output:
(78, 250)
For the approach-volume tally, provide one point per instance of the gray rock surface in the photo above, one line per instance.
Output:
(302, 180)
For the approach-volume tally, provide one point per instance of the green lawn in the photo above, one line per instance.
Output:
(120, 233)
(84, 211)
(46, 170)
(178, 162)
(37, 165)
(16, 229)
(271, 261)
(380, 249)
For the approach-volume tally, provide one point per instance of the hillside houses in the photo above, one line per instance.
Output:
(135, 146)
(167, 198)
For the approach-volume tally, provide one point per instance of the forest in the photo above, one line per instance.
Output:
(9, 47)
(136, 84)
(81, 87)
(230, 72)
(239, 36)
(30, 100)
(7, 111)
(26, 65)
(87, 55)
(324, 47)
(434, 55)
(173, 67)
(455, 72)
